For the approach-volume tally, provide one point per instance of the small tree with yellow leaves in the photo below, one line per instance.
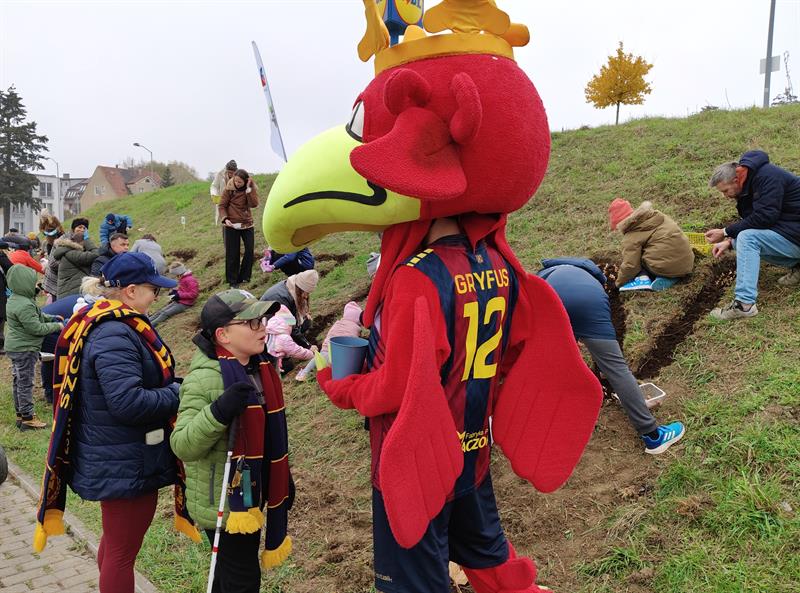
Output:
(620, 81)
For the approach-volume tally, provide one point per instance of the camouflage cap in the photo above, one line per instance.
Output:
(233, 304)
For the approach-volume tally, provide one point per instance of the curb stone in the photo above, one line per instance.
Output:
(79, 532)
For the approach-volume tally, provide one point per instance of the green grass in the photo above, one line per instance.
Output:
(724, 512)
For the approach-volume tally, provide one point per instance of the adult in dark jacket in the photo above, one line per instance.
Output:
(19, 241)
(295, 292)
(119, 449)
(117, 243)
(579, 284)
(768, 201)
(235, 211)
(75, 255)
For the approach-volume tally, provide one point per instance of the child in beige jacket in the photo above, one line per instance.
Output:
(651, 242)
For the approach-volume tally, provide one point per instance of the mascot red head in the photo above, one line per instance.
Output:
(449, 128)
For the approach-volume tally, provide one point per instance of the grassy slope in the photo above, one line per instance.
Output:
(719, 514)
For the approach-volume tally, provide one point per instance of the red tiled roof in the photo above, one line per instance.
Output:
(119, 178)
(142, 174)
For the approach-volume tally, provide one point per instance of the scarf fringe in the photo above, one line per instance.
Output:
(53, 525)
(183, 526)
(276, 557)
(248, 521)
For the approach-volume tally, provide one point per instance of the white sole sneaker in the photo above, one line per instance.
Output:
(665, 445)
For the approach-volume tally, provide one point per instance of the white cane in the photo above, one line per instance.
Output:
(222, 497)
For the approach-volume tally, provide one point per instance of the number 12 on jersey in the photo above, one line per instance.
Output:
(477, 355)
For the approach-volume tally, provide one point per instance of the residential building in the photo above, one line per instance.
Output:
(115, 182)
(51, 192)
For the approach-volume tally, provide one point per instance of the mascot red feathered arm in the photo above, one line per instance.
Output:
(447, 140)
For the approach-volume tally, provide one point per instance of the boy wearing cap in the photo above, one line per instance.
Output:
(180, 298)
(232, 385)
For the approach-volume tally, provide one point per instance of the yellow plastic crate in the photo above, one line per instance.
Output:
(698, 243)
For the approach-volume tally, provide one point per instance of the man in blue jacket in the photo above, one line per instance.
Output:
(114, 223)
(768, 200)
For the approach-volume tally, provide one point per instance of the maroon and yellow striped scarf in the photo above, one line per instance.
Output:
(66, 397)
(251, 485)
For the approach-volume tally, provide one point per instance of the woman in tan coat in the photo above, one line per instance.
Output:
(235, 211)
(651, 242)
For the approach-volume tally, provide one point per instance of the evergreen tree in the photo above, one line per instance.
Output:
(167, 179)
(621, 81)
(21, 151)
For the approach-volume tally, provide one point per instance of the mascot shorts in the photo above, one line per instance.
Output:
(466, 531)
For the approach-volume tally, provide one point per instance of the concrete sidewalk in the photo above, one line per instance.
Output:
(68, 561)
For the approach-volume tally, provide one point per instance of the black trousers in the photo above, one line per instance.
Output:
(238, 569)
(236, 271)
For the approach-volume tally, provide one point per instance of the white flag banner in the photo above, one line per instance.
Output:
(276, 141)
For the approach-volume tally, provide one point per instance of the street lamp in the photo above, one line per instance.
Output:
(152, 177)
(59, 212)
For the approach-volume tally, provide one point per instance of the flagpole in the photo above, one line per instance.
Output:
(262, 74)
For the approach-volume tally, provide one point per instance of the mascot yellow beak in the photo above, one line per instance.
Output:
(318, 193)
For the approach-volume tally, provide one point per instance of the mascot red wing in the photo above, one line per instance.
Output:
(448, 138)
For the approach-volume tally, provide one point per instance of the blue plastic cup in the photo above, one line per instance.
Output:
(347, 356)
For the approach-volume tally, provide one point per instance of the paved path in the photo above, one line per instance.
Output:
(66, 564)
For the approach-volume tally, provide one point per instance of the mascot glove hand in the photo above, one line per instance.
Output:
(335, 390)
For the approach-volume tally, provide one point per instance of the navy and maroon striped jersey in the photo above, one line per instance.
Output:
(477, 292)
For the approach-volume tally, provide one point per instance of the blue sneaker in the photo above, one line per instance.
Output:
(661, 283)
(641, 282)
(668, 435)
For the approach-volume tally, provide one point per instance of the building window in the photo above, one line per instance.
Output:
(99, 190)
(45, 189)
(16, 209)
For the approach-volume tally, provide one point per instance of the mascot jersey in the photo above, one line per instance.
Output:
(472, 293)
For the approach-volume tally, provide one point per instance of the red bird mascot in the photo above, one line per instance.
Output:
(446, 141)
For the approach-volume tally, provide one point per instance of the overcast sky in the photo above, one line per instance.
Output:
(180, 78)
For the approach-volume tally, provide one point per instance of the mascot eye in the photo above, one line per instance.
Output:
(356, 125)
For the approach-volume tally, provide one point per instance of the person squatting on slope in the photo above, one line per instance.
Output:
(768, 201)
(232, 385)
(114, 223)
(239, 198)
(180, 298)
(652, 243)
(26, 327)
(579, 284)
(348, 326)
(116, 391)
(280, 344)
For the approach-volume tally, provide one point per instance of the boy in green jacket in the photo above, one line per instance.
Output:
(26, 327)
(232, 386)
